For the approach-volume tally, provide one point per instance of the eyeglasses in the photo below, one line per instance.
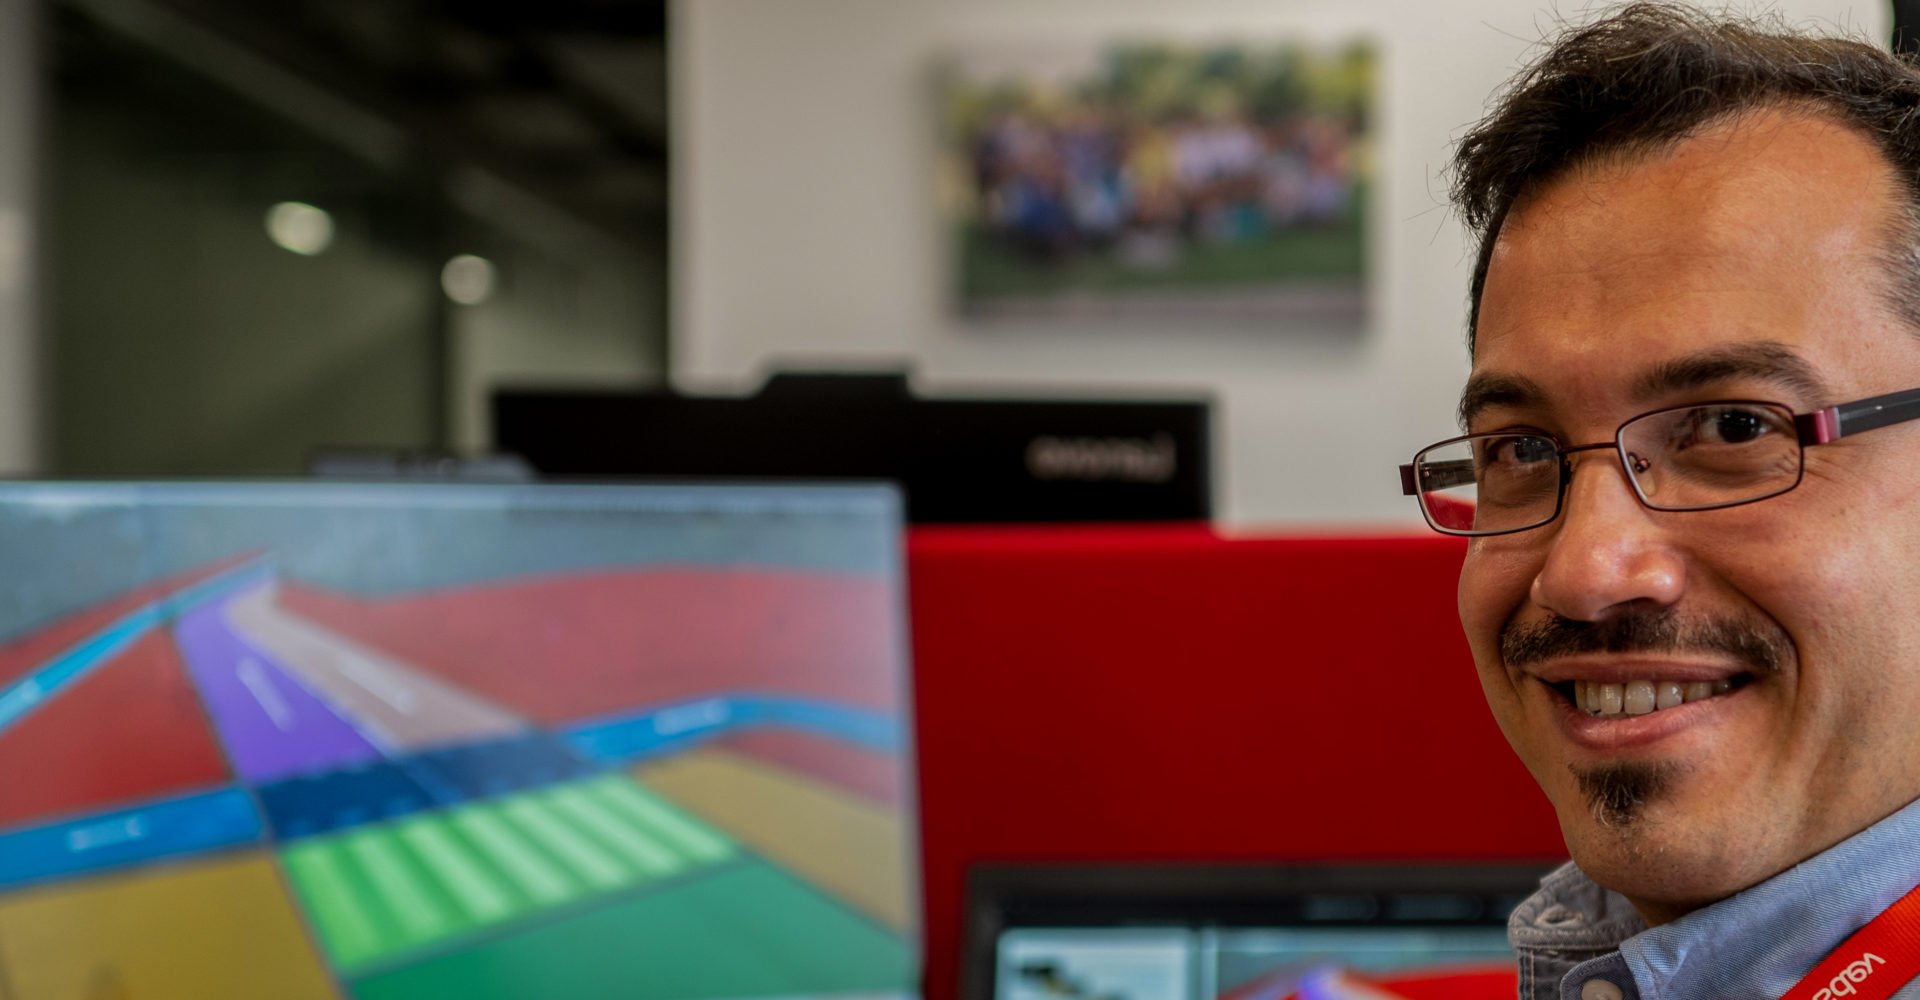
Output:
(1702, 456)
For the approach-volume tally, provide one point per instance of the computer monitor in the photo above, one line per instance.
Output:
(385, 740)
(1240, 932)
(959, 460)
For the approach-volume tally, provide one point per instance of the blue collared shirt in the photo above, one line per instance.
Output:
(1754, 944)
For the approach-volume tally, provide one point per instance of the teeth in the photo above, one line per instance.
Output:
(1643, 697)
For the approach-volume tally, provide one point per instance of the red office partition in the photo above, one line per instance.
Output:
(1166, 693)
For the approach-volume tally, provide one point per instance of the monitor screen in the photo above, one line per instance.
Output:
(385, 740)
(1204, 963)
(1242, 932)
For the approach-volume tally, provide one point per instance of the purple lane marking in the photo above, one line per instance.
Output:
(272, 726)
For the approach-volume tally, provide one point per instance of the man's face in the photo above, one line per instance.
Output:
(1711, 271)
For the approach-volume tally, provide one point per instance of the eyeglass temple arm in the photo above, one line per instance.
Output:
(1835, 422)
(1440, 475)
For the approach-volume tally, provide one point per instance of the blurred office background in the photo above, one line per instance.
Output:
(232, 233)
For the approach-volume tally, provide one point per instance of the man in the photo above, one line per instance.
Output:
(1693, 586)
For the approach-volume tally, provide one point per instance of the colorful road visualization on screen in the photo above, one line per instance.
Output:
(323, 740)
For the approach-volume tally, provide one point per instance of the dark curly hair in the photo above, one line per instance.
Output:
(1650, 74)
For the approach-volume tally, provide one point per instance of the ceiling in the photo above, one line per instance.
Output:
(565, 100)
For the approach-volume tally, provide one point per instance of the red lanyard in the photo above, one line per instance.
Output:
(1876, 961)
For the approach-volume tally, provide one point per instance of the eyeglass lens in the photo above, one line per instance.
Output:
(1687, 458)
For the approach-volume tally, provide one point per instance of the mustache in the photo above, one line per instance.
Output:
(1759, 643)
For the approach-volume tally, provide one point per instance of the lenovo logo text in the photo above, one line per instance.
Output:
(1844, 983)
(1133, 460)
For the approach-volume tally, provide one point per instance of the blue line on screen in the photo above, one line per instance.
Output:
(675, 727)
(50, 678)
(191, 824)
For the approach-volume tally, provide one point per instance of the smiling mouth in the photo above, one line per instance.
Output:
(1643, 697)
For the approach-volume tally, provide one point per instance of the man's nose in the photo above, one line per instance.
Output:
(1608, 554)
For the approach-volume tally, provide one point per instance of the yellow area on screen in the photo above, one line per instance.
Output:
(219, 928)
(839, 842)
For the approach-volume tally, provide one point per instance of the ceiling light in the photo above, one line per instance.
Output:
(300, 228)
(468, 279)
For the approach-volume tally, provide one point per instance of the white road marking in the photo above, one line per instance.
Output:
(393, 704)
(108, 834)
(254, 678)
(687, 718)
(377, 682)
(21, 698)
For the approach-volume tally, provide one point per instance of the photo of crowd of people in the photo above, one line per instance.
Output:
(1161, 180)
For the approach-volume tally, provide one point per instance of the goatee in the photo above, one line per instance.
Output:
(1618, 794)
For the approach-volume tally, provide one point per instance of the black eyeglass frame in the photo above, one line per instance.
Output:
(1817, 427)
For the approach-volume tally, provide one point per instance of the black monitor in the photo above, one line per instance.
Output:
(1238, 931)
(959, 460)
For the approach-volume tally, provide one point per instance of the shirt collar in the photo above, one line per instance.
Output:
(1758, 942)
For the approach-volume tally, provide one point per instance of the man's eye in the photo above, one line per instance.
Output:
(1712, 425)
(1517, 450)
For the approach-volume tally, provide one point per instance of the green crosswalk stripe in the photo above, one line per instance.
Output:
(342, 922)
(400, 884)
(667, 823)
(598, 868)
(746, 930)
(477, 892)
(379, 890)
(613, 830)
(540, 879)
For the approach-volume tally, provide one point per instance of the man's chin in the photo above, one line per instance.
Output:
(1621, 832)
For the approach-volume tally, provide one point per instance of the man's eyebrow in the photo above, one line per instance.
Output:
(1764, 361)
(1497, 389)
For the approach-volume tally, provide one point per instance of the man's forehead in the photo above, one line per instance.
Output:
(1748, 362)
(1737, 254)
(1763, 156)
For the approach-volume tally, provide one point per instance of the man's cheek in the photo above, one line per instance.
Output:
(1524, 733)
(1492, 590)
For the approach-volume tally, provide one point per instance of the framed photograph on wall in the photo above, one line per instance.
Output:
(1160, 180)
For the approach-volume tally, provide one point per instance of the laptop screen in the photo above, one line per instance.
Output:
(384, 740)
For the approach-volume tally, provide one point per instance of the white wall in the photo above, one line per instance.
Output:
(19, 143)
(805, 230)
(576, 324)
